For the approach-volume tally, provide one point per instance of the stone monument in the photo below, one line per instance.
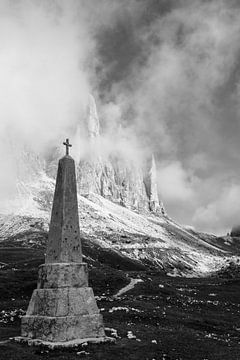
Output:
(63, 308)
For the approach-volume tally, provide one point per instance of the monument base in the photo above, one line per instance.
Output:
(63, 307)
(62, 344)
(62, 328)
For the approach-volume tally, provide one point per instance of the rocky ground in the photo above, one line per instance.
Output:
(161, 317)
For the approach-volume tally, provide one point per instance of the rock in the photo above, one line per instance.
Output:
(62, 329)
(117, 178)
(62, 275)
(92, 120)
(89, 176)
(122, 182)
(150, 181)
(60, 302)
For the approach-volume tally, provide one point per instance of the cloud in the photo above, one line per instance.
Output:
(174, 183)
(180, 91)
(166, 77)
(222, 213)
(44, 80)
(48, 65)
(189, 57)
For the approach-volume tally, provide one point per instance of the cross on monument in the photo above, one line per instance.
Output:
(68, 145)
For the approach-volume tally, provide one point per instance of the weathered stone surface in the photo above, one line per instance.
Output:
(114, 179)
(62, 328)
(62, 302)
(89, 174)
(64, 243)
(60, 275)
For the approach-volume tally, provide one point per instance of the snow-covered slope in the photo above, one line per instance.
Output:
(150, 239)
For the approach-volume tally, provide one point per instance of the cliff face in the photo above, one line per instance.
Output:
(116, 178)
(150, 181)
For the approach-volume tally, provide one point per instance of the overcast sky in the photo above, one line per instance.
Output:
(167, 71)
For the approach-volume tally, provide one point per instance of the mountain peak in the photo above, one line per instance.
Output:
(92, 120)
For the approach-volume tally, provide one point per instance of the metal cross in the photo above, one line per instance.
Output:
(68, 145)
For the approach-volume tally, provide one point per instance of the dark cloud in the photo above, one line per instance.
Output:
(175, 78)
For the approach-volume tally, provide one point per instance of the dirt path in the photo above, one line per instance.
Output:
(128, 287)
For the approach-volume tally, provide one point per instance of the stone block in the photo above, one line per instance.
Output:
(60, 275)
(62, 329)
(62, 302)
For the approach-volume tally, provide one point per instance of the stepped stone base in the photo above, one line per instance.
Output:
(64, 328)
(65, 344)
(63, 307)
(62, 302)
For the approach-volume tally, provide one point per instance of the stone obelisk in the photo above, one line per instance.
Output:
(63, 308)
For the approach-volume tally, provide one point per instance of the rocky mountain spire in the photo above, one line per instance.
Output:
(150, 181)
(117, 178)
(92, 120)
(153, 195)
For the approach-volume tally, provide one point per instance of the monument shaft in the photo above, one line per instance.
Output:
(64, 244)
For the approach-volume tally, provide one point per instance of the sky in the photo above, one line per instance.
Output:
(166, 71)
